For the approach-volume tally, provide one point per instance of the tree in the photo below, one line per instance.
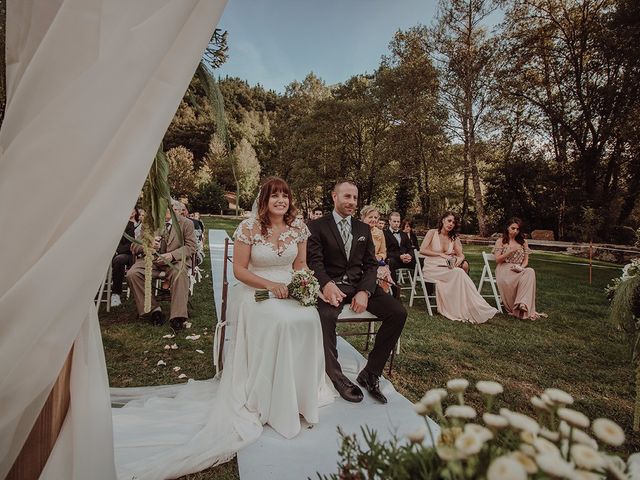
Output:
(182, 175)
(408, 86)
(576, 64)
(465, 54)
(209, 198)
(247, 172)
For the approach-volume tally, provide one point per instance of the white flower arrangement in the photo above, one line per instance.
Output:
(510, 445)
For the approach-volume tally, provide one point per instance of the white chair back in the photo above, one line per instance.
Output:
(487, 276)
(418, 277)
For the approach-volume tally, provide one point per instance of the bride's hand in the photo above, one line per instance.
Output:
(280, 290)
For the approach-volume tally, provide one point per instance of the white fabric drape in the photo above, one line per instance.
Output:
(92, 86)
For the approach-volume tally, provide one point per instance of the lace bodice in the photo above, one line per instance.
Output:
(268, 252)
(516, 256)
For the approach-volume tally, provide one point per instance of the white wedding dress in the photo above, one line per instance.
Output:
(274, 372)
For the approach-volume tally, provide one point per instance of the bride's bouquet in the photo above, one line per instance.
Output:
(304, 287)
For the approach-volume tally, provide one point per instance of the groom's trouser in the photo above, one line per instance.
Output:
(389, 310)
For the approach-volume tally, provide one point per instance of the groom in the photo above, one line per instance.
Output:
(341, 253)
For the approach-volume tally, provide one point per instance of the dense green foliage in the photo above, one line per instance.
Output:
(535, 117)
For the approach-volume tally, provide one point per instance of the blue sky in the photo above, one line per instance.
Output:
(273, 42)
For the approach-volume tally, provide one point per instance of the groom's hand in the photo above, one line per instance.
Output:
(360, 302)
(332, 294)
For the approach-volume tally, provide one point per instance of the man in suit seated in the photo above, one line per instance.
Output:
(399, 250)
(341, 253)
(172, 262)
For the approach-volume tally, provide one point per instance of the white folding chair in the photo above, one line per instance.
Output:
(487, 276)
(418, 276)
(104, 293)
(404, 278)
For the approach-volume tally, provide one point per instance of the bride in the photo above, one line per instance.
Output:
(274, 369)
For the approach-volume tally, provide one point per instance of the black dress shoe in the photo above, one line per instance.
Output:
(348, 391)
(157, 317)
(372, 383)
(177, 323)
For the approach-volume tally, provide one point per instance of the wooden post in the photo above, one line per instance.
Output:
(36, 450)
(590, 261)
(223, 303)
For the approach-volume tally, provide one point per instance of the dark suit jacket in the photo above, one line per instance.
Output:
(394, 250)
(327, 258)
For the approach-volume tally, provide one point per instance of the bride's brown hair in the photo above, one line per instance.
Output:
(270, 186)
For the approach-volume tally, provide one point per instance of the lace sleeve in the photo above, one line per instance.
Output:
(301, 229)
(244, 232)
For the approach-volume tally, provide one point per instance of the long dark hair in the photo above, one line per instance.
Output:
(453, 234)
(505, 233)
(270, 186)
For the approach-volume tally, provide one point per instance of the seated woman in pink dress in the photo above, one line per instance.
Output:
(456, 295)
(516, 281)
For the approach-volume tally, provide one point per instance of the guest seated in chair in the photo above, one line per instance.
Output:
(399, 251)
(123, 258)
(172, 261)
(516, 281)
(370, 215)
(456, 295)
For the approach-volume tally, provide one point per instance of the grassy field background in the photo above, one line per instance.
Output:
(576, 348)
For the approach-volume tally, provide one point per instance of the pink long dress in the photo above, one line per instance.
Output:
(517, 289)
(456, 295)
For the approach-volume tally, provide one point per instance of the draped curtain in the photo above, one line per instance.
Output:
(91, 87)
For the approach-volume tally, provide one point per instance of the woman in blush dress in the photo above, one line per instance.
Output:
(456, 295)
(516, 280)
(370, 215)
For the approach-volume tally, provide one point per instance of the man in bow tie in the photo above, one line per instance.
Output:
(399, 249)
(341, 253)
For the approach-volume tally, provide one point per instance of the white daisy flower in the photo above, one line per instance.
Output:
(483, 433)
(460, 411)
(468, 444)
(559, 397)
(495, 421)
(418, 435)
(160, 362)
(549, 435)
(526, 461)
(420, 408)
(439, 392)
(540, 404)
(554, 465)
(505, 468)
(520, 421)
(608, 431)
(431, 399)
(573, 417)
(587, 458)
(489, 388)
(457, 385)
(577, 435)
(545, 447)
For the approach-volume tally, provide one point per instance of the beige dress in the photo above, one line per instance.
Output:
(517, 289)
(456, 295)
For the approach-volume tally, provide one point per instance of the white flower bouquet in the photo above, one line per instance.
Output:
(497, 445)
(304, 287)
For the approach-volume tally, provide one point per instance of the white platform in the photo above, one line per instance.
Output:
(315, 450)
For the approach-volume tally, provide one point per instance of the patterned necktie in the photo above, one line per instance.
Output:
(346, 235)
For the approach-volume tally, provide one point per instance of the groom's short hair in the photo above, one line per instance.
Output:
(344, 180)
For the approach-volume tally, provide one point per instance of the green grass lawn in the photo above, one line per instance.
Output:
(576, 348)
